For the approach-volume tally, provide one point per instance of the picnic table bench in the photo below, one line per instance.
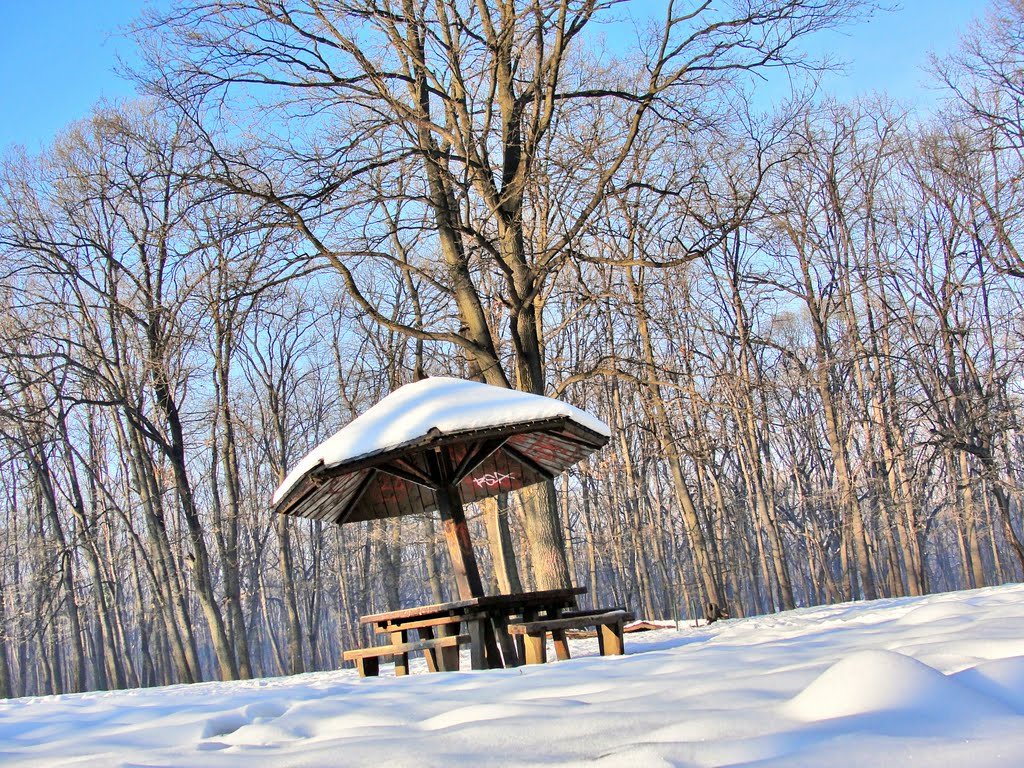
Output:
(368, 659)
(500, 630)
(609, 624)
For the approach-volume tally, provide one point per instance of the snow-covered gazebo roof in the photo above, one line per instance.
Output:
(434, 433)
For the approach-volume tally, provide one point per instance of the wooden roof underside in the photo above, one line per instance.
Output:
(401, 481)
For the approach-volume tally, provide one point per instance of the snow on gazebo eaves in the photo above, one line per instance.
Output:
(435, 406)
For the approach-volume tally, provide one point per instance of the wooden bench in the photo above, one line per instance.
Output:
(485, 618)
(595, 612)
(368, 659)
(609, 625)
(443, 626)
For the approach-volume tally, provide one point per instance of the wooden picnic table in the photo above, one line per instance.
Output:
(486, 622)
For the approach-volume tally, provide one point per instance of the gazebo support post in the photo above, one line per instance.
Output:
(456, 530)
(460, 547)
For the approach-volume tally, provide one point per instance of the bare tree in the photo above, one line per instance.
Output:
(478, 100)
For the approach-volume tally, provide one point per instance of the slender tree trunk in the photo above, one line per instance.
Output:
(658, 415)
(6, 680)
(165, 576)
(48, 498)
(291, 608)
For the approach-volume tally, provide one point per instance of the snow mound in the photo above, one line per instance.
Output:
(877, 681)
(933, 612)
(1002, 680)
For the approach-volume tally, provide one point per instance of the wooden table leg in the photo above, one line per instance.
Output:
(609, 639)
(401, 659)
(509, 652)
(479, 649)
(427, 633)
(558, 637)
(561, 644)
(492, 647)
(368, 666)
(448, 658)
(520, 640)
(536, 647)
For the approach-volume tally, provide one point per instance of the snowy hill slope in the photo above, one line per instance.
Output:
(934, 681)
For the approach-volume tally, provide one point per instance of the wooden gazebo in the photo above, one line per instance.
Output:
(438, 444)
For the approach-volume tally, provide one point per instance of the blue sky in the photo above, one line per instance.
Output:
(56, 61)
(57, 57)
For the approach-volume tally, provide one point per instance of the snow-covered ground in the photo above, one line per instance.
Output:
(935, 681)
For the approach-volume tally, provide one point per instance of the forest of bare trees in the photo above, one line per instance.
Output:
(801, 320)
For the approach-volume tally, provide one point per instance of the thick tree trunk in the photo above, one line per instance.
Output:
(499, 540)
(544, 532)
